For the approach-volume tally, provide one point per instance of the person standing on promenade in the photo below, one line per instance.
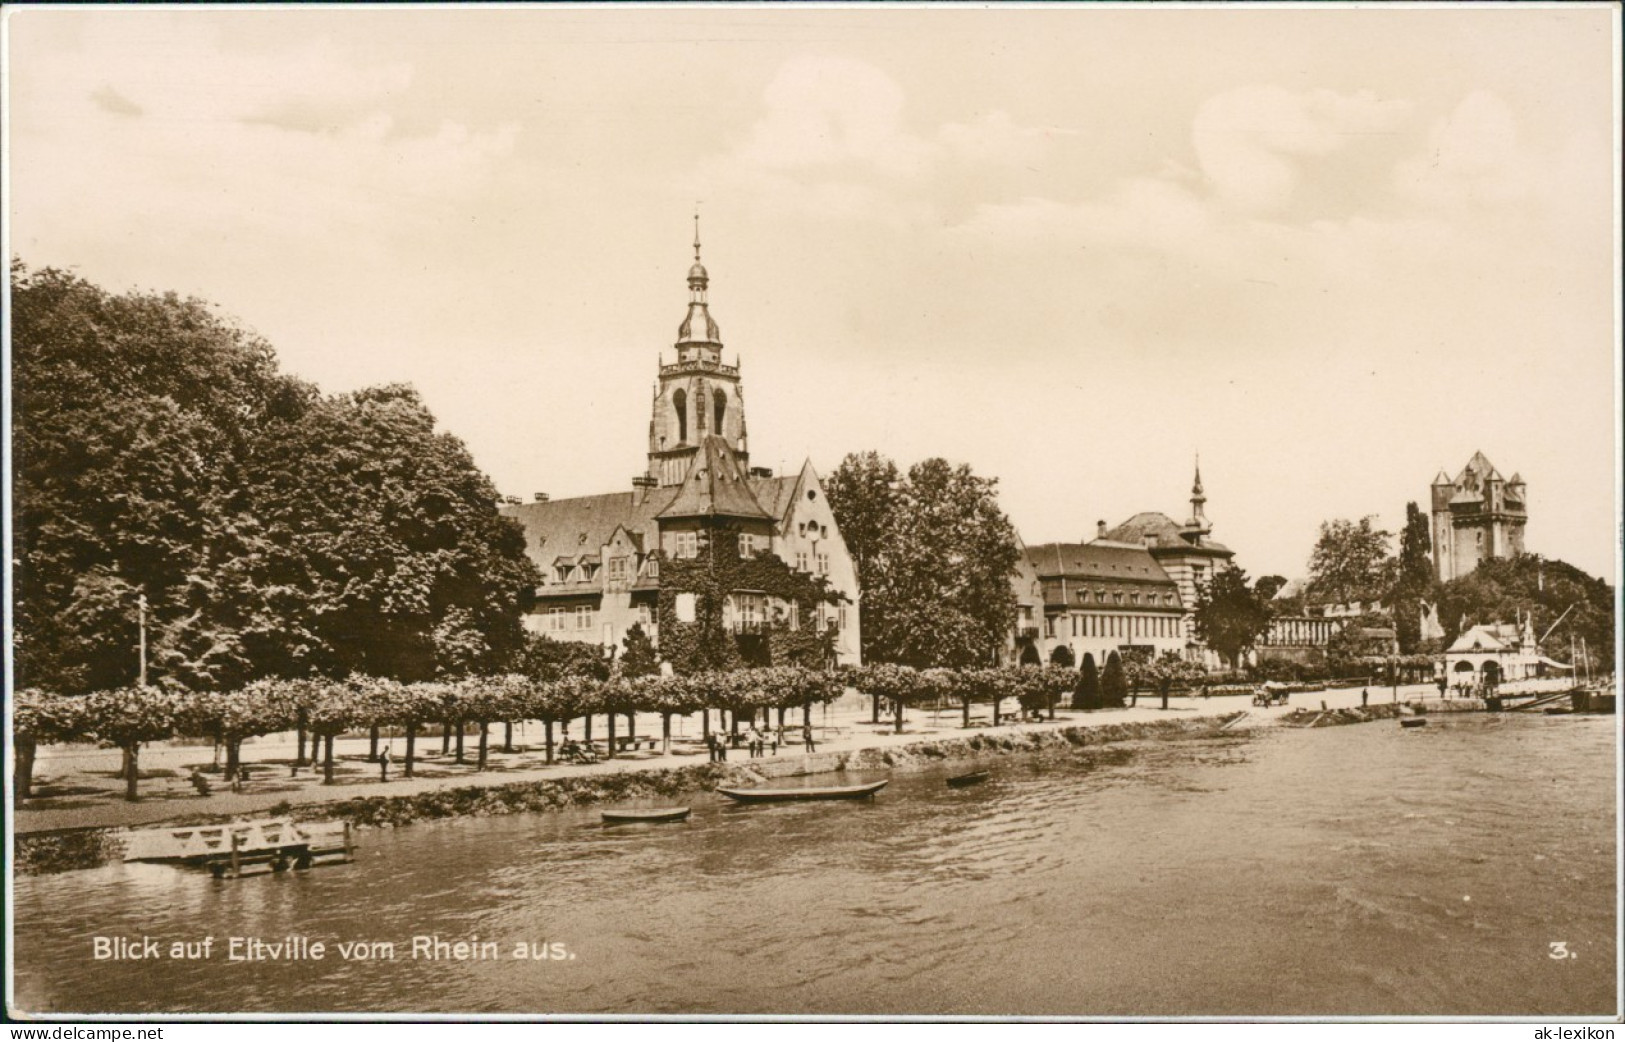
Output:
(1365, 696)
(807, 738)
(383, 765)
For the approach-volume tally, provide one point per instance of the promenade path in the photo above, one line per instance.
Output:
(76, 786)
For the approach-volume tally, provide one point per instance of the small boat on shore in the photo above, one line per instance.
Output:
(959, 781)
(833, 792)
(1413, 721)
(628, 817)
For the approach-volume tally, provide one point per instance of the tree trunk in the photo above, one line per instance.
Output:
(876, 718)
(1051, 697)
(22, 776)
(586, 729)
(547, 725)
(234, 757)
(411, 747)
(665, 734)
(372, 744)
(1165, 698)
(485, 742)
(507, 736)
(899, 704)
(964, 710)
(705, 722)
(132, 777)
(327, 760)
(445, 737)
(300, 759)
(124, 764)
(781, 718)
(610, 753)
(996, 701)
(460, 723)
(806, 713)
(631, 725)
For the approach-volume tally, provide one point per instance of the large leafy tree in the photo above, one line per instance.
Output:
(1351, 562)
(392, 536)
(134, 417)
(160, 454)
(936, 558)
(1230, 614)
(865, 492)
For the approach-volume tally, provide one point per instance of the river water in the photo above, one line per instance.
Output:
(1362, 870)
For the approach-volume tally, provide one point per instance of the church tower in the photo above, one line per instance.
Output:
(697, 396)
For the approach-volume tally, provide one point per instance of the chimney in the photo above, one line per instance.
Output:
(641, 484)
(1100, 529)
(541, 497)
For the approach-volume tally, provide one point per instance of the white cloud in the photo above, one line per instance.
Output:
(1249, 141)
(825, 111)
(1473, 156)
(184, 137)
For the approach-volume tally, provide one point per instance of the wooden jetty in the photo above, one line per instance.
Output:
(244, 847)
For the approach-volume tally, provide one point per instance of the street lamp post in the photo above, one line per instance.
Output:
(141, 614)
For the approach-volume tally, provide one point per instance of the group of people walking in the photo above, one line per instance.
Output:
(757, 741)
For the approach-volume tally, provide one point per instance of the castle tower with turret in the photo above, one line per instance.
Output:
(1478, 516)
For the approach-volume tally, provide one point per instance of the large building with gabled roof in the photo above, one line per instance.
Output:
(1132, 587)
(600, 555)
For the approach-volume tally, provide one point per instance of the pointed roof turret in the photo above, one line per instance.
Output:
(698, 327)
(1198, 520)
(1442, 479)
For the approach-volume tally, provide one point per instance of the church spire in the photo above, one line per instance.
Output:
(1198, 519)
(698, 327)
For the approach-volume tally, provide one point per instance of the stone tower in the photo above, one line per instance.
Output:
(1478, 516)
(697, 396)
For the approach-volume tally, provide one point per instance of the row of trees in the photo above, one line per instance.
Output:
(128, 717)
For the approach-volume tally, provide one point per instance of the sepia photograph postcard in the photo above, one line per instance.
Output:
(1165, 567)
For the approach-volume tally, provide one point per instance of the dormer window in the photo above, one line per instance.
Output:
(563, 572)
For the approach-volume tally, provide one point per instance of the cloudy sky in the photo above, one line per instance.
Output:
(1332, 250)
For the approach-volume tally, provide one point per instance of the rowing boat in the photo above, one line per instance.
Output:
(834, 792)
(959, 781)
(626, 817)
(1413, 721)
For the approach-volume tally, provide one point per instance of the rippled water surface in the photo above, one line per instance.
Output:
(1351, 870)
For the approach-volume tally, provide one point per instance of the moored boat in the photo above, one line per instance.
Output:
(832, 792)
(959, 781)
(660, 814)
(1413, 721)
(274, 844)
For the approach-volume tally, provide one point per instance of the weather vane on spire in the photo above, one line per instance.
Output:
(696, 230)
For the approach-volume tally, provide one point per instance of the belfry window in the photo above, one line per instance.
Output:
(720, 403)
(679, 401)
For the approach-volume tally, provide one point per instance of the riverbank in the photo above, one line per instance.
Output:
(44, 851)
(79, 819)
